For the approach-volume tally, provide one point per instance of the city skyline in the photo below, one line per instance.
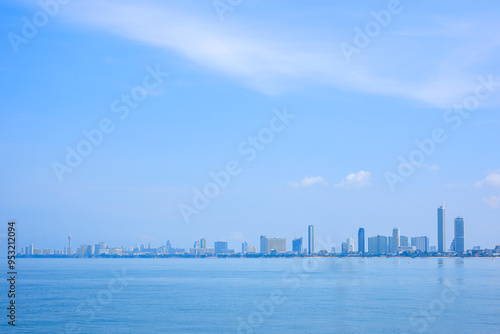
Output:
(379, 244)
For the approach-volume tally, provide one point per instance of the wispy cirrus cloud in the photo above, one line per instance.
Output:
(308, 181)
(355, 180)
(492, 201)
(275, 59)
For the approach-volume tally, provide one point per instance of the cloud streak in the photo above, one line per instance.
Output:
(355, 180)
(276, 59)
(492, 201)
(308, 181)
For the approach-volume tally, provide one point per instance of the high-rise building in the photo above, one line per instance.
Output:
(196, 244)
(311, 239)
(297, 245)
(100, 248)
(441, 229)
(345, 248)
(361, 240)
(395, 241)
(403, 241)
(421, 243)
(377, 245)
(203, 243)
(272, 245)
(350, 244)
(251, 249)
(459, 235)
(263, 245)
(87, 250)
(277, 244)
(244, 246)
(220, 247)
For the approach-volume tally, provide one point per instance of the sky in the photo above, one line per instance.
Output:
(146, 121)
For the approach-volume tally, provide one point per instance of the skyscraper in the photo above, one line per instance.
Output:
(403, 241)
(276, 244)
(345, 248)
(377, 245)
(395, 241)
(421, 243)
(361, 240)
(244, 246)
(297, 245)
(203, 243)
(263, 244)
(220, 246)
(441, 230)
(350, 244)
(311, 239)
(459, 235)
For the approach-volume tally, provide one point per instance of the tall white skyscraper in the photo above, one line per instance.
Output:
(350, 244)
(311, 239)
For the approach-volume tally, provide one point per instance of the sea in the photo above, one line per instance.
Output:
(259, 295)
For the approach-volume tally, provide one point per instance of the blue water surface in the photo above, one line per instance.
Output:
(318, 295)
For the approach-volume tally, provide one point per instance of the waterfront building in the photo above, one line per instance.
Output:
(395, 242)
(310, 240)
(361, 240)
(421, 243)
(263, 245)
(297, 245)
(459, 235)
(220, 246)
(441, 229)
(377, 245)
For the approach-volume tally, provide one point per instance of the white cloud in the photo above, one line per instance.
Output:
(493, 179)
(278, 58)
(492, 201)
(355, 180)
(308, 181)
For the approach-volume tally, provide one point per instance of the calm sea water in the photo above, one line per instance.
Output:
(257, 296)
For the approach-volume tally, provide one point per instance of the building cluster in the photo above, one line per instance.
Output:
(379, 245)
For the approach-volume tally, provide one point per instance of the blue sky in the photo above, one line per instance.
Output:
(353, 118)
